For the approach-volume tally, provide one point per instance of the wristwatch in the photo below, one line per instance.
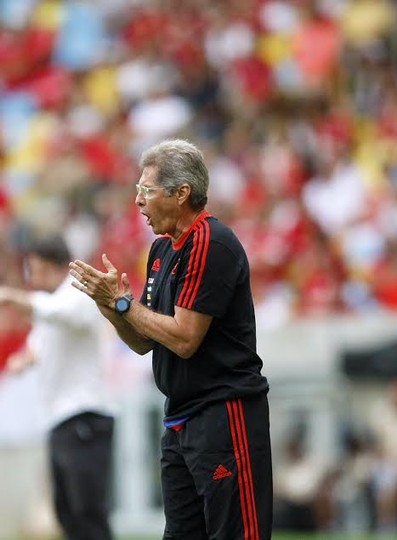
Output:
(123, 304)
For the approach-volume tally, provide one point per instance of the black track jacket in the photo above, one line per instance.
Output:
(207, 271)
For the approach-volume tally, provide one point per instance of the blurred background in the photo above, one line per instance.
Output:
(294, 104)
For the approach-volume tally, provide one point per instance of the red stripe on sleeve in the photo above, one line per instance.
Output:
(202, 262)
(188, 277)
(196, 266)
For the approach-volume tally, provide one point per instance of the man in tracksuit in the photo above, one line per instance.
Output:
(196, 314)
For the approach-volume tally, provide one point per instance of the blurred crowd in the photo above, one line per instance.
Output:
(294, 103)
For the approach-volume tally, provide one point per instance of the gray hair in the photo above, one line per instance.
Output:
(179, 162)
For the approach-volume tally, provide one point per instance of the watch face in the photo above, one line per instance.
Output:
(122, 304)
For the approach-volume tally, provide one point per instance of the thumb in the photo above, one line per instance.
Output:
(126, 284)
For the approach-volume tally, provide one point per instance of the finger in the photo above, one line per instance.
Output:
(84, 268)
(108, 265)
(79, 279)
(81, 287)
(74, 273)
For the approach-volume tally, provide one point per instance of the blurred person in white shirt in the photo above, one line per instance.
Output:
(67, 342)
(337, 196)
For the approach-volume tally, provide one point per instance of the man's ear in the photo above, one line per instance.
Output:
(183, 193)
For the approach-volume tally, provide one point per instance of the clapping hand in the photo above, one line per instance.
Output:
(102, 287)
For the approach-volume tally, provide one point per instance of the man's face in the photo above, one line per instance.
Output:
(41, 274)
(161, 210)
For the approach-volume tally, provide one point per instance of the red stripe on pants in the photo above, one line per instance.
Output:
(244, 470)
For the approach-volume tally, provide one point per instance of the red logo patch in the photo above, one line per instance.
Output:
(221, 472)
(156, 265)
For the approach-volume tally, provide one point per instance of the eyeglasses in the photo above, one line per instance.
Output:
(145, 191)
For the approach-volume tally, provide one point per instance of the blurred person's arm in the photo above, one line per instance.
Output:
(54, 309)
(17, 297)
(19, 361)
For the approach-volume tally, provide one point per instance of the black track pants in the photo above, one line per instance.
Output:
(217, 474)
(81, 459)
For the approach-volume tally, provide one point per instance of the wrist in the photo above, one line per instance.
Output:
(123, 304)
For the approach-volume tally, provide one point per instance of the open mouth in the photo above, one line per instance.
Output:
(148, 219)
